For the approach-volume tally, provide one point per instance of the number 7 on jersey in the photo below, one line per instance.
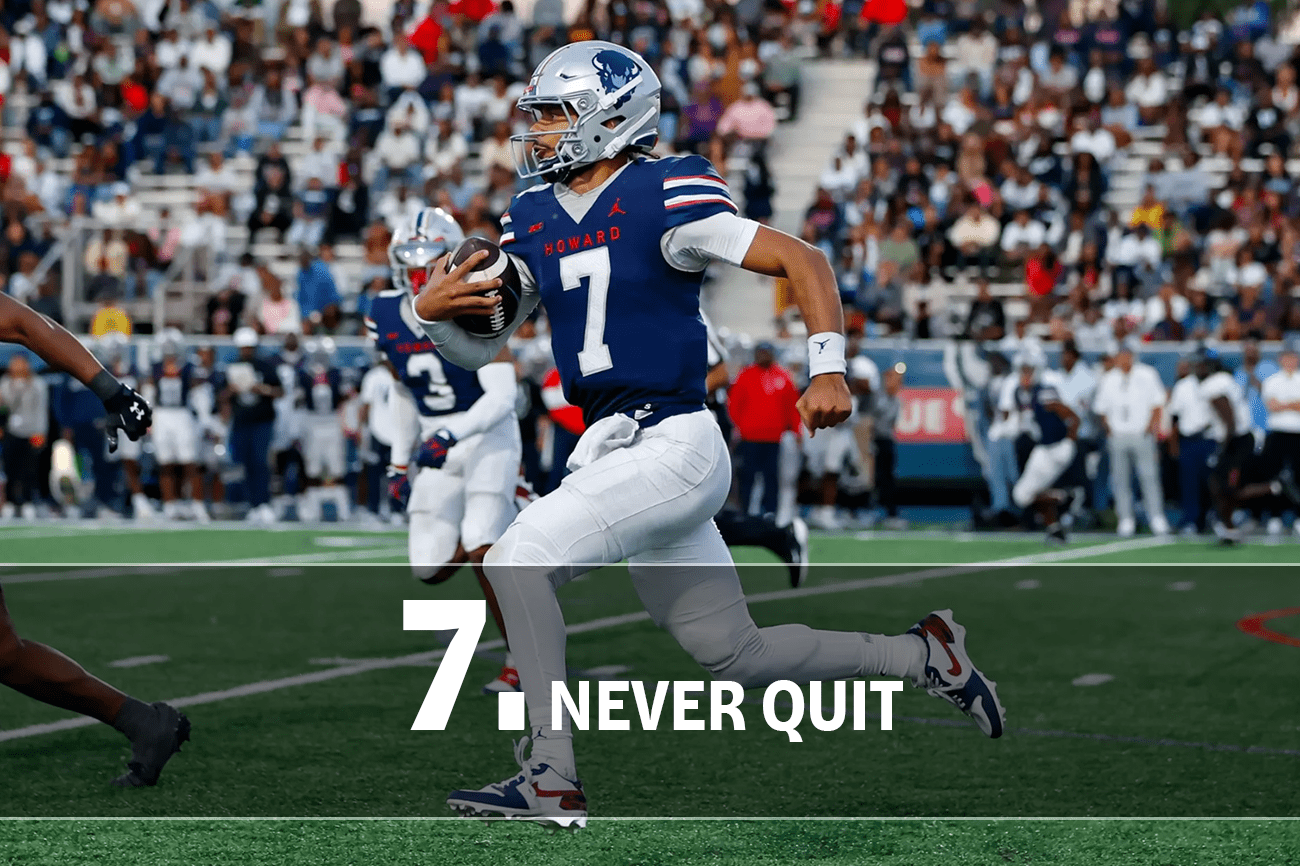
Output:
(594, 265)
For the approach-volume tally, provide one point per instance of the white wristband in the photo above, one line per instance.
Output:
(826, 354)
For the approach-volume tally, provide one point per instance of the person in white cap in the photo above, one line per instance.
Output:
(252, 384)
(1129, 402)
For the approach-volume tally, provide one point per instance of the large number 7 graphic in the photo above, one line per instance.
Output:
(593, 264)
(467, 619)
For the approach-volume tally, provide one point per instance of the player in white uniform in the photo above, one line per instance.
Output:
(175, 432)
(114, 357)
(615, 243)
(459, 426)
(320, 384)
(1038, 396)
(832, 452)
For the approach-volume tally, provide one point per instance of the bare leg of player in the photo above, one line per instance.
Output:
(41, 672)
(167, 487)
(508, 679)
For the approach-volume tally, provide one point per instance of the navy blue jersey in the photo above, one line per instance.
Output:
(626, 329)
(321, 387)
(173, 392)
(438, 386)
(1037, 398)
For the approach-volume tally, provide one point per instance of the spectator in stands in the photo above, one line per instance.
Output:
(761, 404)
(212, 52)
(986, 319)
(109, 317)
(749, 119)
(974, 239)
(22, 283)
(398, 152)
(1022, 237)
(317, 296)
(348, 211)
(310, 210)
(401, 67)
(25, 398)
(122, 211)
(273, 105)
(276, 313)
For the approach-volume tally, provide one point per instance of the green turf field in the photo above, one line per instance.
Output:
(303, 688)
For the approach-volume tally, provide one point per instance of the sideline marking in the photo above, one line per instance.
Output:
(1092, 679)
(1253, 625)
(50, 576)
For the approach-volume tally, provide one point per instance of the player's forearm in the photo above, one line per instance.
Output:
(22, 325)
(500, 387)
(468, 351)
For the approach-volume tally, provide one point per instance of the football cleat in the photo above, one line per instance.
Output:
(1056, 534)
(537, 793)
(506, 681)
(151, 751)
(950, 674)
(798, 558)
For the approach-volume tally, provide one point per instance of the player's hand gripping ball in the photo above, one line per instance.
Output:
(433, 451)
(476, 285)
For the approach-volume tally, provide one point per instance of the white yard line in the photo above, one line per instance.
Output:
(422, 658)
(46, 575)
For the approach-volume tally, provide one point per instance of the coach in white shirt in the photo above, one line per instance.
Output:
(1129, 402)
(1190, 444)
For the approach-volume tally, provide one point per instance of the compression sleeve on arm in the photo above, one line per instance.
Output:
(405, 421)
(468, 351)
(723, 237)
(500, 389)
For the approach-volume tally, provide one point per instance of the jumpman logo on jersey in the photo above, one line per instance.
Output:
(616, 209)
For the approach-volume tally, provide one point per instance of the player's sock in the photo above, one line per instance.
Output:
(554, 748)
(134, 719)
(899, 655)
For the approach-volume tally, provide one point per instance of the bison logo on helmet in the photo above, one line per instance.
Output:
(615, 70)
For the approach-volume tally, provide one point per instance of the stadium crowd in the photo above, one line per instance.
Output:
(986, 157)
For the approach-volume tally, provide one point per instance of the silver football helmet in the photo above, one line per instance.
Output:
(610, 96)
(414, 247)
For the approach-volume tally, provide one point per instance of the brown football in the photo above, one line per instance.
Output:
(496, 265)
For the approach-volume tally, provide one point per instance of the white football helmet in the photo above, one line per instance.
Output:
(414, 247)
(594, 83)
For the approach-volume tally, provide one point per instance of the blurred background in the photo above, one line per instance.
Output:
(987, 178)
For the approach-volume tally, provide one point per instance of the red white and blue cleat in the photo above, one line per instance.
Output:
(950, 674)
(506, 681)
(537, 793)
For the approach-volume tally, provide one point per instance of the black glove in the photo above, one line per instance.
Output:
(128, 412)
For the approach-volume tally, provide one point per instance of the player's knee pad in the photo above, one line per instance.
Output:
(521, 552)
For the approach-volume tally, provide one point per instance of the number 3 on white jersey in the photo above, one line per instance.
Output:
(593, 264)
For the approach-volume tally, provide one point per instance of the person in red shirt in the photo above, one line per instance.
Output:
(1042, 273)
(761, 403)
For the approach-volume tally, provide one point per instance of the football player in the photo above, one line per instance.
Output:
(615, 242)
(175, 433)
(1038, 393)
(156, 731)
(127, 452)
(320, 382)
(462, 424)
